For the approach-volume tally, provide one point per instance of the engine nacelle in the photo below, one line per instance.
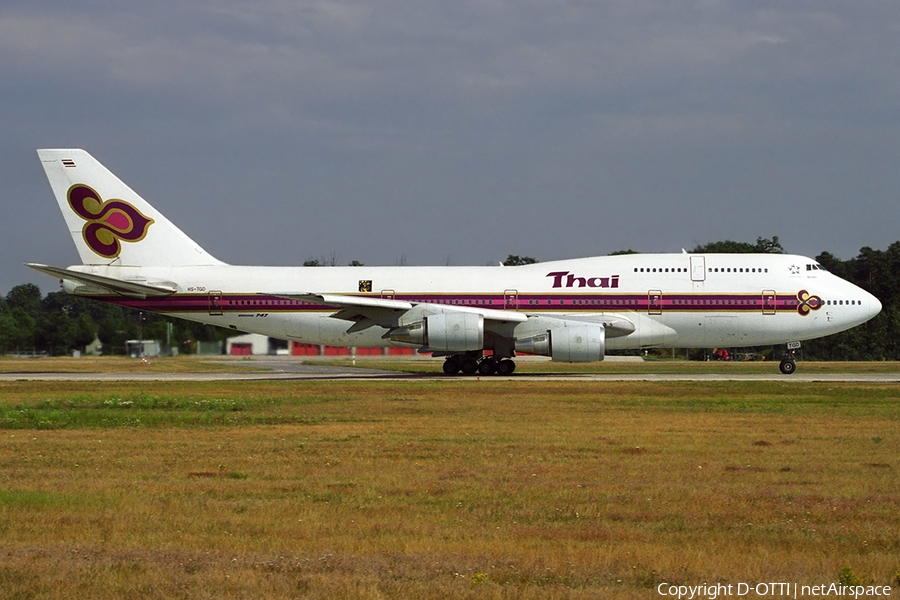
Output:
(573, 343)
(444, 332)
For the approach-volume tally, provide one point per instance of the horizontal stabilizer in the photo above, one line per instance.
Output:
(132, 289)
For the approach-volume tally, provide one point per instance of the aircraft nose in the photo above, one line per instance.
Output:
(874, 306)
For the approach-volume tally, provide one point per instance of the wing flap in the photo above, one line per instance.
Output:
(340, 301)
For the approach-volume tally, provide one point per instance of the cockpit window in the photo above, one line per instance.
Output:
(816, 267)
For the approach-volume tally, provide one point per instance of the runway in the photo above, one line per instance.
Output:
(290, 369)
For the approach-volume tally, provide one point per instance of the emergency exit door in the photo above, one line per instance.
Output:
(654, 302)
(769, 302)
(698, 268)
(215, 303)
(511, 299)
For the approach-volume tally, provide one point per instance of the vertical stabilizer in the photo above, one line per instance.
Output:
(110, 224)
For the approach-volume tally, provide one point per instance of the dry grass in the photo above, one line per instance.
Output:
(443, 489)
(533, 366)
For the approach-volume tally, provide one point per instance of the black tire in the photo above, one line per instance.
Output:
(487, 367)
(469, 366)
(506, 367)
(451, 366)
(787, 366)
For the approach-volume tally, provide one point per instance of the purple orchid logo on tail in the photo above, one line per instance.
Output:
(107, 222)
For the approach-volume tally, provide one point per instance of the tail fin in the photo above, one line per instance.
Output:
(109, 222)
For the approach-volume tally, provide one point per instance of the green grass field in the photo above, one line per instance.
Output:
(454, 488)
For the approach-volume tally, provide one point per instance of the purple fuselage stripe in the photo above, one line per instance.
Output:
(239, 303)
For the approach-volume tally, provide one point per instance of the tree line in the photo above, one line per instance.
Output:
(59, 323)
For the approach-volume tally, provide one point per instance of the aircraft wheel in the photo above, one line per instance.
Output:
(451, 366)
(787, 366)
(487, 367)
(469, 366)
(506, 367)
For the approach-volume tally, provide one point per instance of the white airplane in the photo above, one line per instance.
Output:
(570, 310)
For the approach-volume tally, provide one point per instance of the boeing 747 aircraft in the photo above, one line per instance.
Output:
(570, 310)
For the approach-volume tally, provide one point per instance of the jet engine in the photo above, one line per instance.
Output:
(582, 342)
(444, 332)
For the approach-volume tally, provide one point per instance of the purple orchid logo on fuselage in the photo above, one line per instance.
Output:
(107, 222)
(807, 302)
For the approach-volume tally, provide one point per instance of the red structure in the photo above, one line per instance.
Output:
(298, 349)
(241, 349)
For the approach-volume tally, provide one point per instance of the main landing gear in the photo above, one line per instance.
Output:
(480, 365)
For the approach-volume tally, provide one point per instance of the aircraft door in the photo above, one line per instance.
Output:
(215, 303)
(768, 302)
(388, 294)
(654, 302)
(698, 268)
(511, 299)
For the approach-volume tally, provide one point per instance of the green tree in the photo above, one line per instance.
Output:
(55, 332)
(19, 330)
(27, 297)
(85, 331)
(514, 260)
(762, 246)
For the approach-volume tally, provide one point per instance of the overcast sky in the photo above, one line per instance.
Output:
(455, 132)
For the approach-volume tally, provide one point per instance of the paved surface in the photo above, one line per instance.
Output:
(258, 369)
(290, 368)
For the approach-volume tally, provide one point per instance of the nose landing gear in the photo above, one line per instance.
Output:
(788, 364)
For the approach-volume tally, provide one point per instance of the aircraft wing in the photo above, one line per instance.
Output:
(132, 289)
(367, 312)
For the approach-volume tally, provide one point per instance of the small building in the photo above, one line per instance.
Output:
(258, 344)
(139, 349)
(247, 344)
